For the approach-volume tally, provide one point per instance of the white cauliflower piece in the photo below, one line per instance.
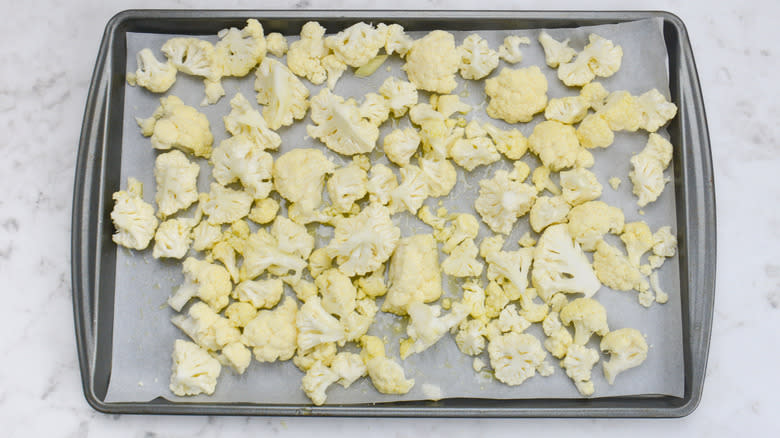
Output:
(372, 285)
(205, 236)
(236, 356)
(207, 281)
(462, 261)
(569, 110)
(316, 326)
(396, 40)
(299, 176)
(654, 110)
(588, 317)
(381, 182)
(264, 211)
(496, 299)
(473, 299)
(206, 327)
(273, 333)
(240, 314)
(590, 221)
(177, 179)
(516, 95)
(304, 57)
(510, 50)
(238, 158)
(515, 357)
(245, 120)
(225, 206)
(578, 364)
(561, 266)
(555, 144)
(463, 227)
(432, 61)
(414, 274)
(176, 125)
(340, 126)
(347, 185)
(276, 44)
(558, 338)
(440, 175)
(469, 153)
(471, 337)
(664, 242)
(542, 181)
(386, 375)
(357, 322)
(661, 297)
(357, 44)
(412, 191)
(555, 52)
(194, 371)
(323, 353)
(172, 239)
(510, 265)
(261, 294)
(647, 175)
(338, 293)
(400, 145)
(615, 271)
(133, 218)
(502, 201)
(152, 74)
(594, 132)
(283, 95)
(477, 59)
(193, 56)
(316, 381)
(400, 95)
(638, 240)
(511, 321)
(374, 108)
(580, 185)
(599, 58)
(548, 211)
(349, 367)
(621, 112)
(627, 348)
(426, 327)
(239, 51)
(511, 142)
(360, 244)
(261, 252)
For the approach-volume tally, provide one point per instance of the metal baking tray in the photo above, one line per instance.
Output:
(97, 177)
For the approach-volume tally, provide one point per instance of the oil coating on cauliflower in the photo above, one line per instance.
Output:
(239, 50)
(340, 126)
(548, 211)
(299, 176)
(516, 357)
(654, 110)
(400, 95)
(412, 191)
(207, 281)
(502, 201)
(272, 334)
(647, 175)
(172, 238)
(516, 94)
(400, 145)
(561, 266)
(432, 62)
(594, 132)
(555, 144)
(579, 185)
(599, 58)
(304, 57)
(426, 327)
(357, 44)
(477, 59)
(590, 221)
(578, 363)
(283, 95)
(627, 348)
(362, 243)
(386, 375)
(348, 184)
(510, 50)
(414, 274)
(555, 52)
(133, 218)
(176, 125)
(152, 74)
(245, 120)
(194, 371)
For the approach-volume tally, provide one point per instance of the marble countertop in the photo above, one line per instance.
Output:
(48, 55)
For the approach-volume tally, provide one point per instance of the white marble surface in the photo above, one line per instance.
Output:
(48, 52)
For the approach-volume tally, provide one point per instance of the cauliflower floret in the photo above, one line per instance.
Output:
(381, 182)
(338, 293)
(239, 51)
(206, 327)
(615, 182)
(262, 294)
(261, 252)
(463, 227)
(621, 112)
(599, 58)
(510, 50)
(133, 218)
(347, 185)
(555, 52)
(172, 239)
(276, 44)
(511, 321)
(561, 266)
(594, 132)
(477, 59)
(323, 353)
(193, 56)
(209, 282)
(357, 44)
(578, 364)
(360, 244)
(580, 185)
(462, 261)
(558, 338)
(400, 145)
(548, 211)
(283, 95)
(304, 58)
(386, 375)
(176, 125)
(648, 169)
(205, 236)
(316, 381)
(627, 348)
(224, 205)
(440, 175)
(177, 179)
(400, 95)
(292, 238)
(264, 211)
(340, 126)
(374, 108)
(245, 120)
(661, 297)
(437, 136)
(273, 333)
(511, 142)
(510, 265)
(638, 240)
(570, 110)
(240, 314)
(239, 159)
(516, 95)
(502, 201)
(665, 243)
(414, 274)
(412, 191)
(152, 74)
(319, 262)
(449, 104)
(516, 357)
(594, 94)
(615, 271)
(495, 299)
(432, 61)
(349, 367)
(357, 323)
(316, 326)
(654, 110)
(588, 317)
(471, 337)
(426, 327)
(396, 40)
(372, 285)
(236, 356)
(194, 371)
(542, 181)
(473, 299)
(555, 144)
(590, 221)
(299, 176)
(472, 152)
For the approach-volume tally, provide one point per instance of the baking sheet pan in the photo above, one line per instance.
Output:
(108, 180)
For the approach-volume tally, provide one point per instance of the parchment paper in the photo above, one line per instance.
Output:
(143, 336)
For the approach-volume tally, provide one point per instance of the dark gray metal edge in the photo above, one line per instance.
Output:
(84, 310)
